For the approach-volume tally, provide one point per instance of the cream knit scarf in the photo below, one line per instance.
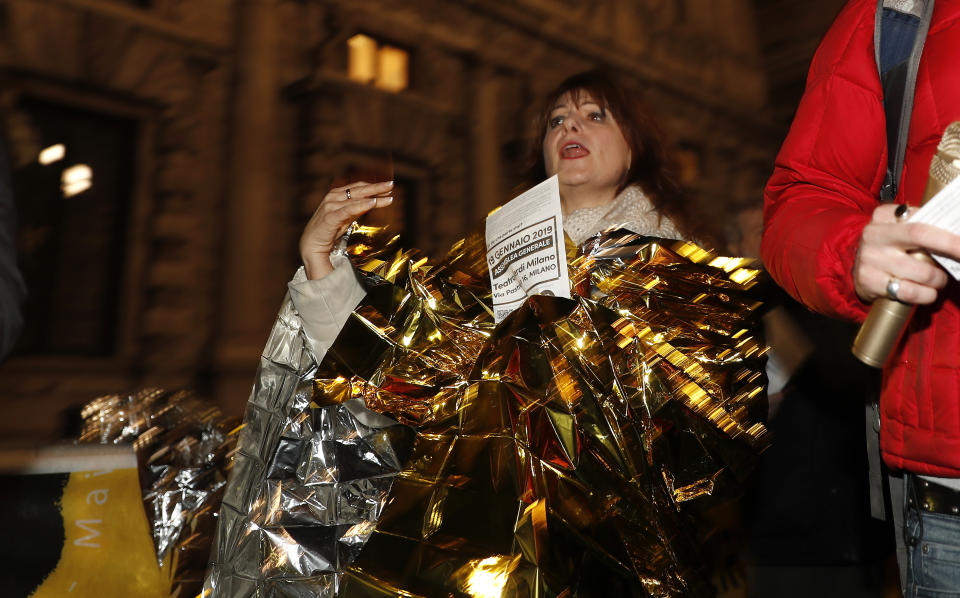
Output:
(631, 209)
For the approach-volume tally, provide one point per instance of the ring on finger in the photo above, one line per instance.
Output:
(348, 194)
(893, 287)
(901, 211)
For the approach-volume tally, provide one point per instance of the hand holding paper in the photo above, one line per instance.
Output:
(525, 249)
(943, 211)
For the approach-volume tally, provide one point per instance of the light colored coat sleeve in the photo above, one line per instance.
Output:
(324, 305)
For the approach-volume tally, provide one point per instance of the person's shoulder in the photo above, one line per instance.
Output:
(849, 41)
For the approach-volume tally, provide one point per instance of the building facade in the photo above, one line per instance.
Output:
(197, 138)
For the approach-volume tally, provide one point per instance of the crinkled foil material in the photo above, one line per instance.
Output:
(566, 452)
(182, 444)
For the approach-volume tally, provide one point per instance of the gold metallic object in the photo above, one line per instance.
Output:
(565, 452)
(888, 319)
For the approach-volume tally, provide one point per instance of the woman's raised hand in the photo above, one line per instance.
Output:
(338, 208)
(884, 266)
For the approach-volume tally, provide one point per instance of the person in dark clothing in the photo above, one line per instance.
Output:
(806, 509)
(12, 289)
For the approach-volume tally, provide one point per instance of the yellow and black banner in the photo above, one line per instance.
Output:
(75, 525)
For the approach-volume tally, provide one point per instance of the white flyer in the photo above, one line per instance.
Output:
(525, 249)
(943, 211)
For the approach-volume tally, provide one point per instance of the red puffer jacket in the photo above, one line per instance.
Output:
(821, 195)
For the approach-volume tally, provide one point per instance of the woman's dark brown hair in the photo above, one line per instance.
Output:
(650, 167)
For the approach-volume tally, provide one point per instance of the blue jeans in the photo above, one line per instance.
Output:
(933, 545)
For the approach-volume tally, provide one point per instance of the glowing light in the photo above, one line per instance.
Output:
(52, 154)
(76, 180)
(387, 67)
(489, 577)
(743, 275)
(720, 262)
(392, 74)
(362, 59)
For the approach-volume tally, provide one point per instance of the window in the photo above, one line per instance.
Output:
(386, 67)
(72, 202)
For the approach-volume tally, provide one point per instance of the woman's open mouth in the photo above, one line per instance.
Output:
(571, 151)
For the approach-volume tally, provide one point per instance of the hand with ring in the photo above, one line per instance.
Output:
(887, 262)
(338, 208)
(893, 289)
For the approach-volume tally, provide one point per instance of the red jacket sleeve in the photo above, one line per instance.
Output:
(828, 173)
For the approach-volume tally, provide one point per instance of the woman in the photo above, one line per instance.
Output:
(551, 452)
(612, 170)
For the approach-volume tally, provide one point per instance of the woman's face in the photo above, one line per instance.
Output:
(584, 146)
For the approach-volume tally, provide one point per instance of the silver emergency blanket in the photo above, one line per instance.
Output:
(308, 484)
(182, 443)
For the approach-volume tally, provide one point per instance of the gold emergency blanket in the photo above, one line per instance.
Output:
(566, 452)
